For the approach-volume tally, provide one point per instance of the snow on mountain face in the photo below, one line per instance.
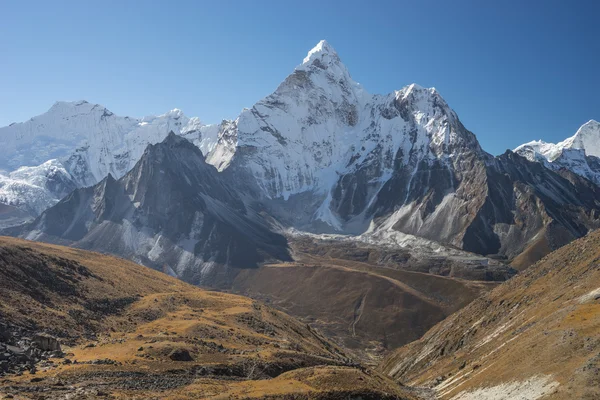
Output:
(91, 141)
(34, 189)
(322, 154)
(326, 156)
(586, 138)
(83, 142)
(320, 124)
(579, 153)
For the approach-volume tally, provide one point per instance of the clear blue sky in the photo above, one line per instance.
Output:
(513, 70)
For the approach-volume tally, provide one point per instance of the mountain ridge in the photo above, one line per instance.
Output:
(534, 336)
(171, 209)
(321, 154)
(84, 142)
(325, 156)
(579, 153)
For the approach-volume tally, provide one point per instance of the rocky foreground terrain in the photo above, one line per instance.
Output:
(536, 336)
(81, 325)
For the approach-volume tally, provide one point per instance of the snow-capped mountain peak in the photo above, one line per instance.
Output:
(579, 153)
(586, 138)
(90, 140)
(325, 69)
(320, 128)
(81, 143)
(323, 55)
(318, 154)
(323, 48)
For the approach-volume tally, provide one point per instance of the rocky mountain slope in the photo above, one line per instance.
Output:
(172, 212)
(177, 214)
(76, 324)
(323, 155)
(80, 143)
(579, 153)
(535, 336)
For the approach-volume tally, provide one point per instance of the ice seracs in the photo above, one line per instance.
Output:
(90, 140)
(34, 189)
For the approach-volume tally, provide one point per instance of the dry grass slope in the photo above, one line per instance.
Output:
(133, 333)
(536, 335)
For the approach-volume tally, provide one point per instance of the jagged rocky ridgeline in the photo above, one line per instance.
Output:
(172, 211)
(323, 155)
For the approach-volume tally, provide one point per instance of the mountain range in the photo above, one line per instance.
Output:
(320, 154)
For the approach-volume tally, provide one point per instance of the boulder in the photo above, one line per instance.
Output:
(4, 333)
(46, 342)
(180, 355)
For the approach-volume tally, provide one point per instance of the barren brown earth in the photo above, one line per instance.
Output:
(535, 336)
(365, 306)
(129, 332)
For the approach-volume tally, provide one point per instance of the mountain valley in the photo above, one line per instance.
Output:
(327, 243)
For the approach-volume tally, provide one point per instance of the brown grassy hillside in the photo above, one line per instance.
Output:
(365, 308)
(536, 335)
(133, 333)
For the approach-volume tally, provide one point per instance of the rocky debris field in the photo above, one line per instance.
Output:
(26, 352)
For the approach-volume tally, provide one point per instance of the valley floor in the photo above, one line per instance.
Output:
(367, 309)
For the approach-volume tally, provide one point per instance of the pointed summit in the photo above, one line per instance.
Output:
(323, 56)
(322, 49)
(592, 127)
(324, 67)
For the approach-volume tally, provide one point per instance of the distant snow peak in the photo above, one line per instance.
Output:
(587, 138)
(174, 113)
(91, 141)
(84, 143)
(580, 153)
